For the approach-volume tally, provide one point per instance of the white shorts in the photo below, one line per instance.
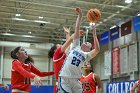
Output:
(69, 85)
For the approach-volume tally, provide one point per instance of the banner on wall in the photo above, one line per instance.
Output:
(126, 28)
(116, 61)
(114, 33)
(98, 37)
(107, 63)
(136, 23)
(124, 60)
(104, 38)
(120, 87)
(133, 63)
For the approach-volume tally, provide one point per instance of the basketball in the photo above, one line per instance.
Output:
(93, 15)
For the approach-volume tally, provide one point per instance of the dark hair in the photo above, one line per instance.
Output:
(84, 28)
(51, 51)
(91, 71)
(13, 52)
(29, 60)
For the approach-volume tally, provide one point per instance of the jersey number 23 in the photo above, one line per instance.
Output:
(75, 61)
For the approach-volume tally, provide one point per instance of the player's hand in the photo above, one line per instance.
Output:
(78, 11)
(82, 32)
(37, 81)
(66, 30)
(6, 87)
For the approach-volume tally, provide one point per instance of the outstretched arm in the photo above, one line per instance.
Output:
(67, 32)
(39, 73)
(67, 44)
(95, 51)
(78, 22)
(76, 34)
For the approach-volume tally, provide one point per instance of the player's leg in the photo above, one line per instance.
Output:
(63, 86)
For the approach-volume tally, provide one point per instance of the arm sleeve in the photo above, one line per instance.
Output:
(41, 74)
(17, 66)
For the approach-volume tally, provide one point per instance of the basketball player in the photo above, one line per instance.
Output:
(23, 70)
(58, 53)
(135, 87)
(90, 80)
(71, 71)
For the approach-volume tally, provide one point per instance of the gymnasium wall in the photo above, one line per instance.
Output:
(129, 70)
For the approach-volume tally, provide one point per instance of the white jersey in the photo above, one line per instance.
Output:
(74, 61)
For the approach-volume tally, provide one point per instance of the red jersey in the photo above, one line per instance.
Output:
(58, 60)
(89, 83)
(21, 74)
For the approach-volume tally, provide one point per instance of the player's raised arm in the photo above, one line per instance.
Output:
(67, 32)
(77, 28)
(67, 43)
(96, 50)
(78, 22)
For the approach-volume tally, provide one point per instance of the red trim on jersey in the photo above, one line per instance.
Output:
(59, 58)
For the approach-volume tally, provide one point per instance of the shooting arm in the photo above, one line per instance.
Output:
(95, 51)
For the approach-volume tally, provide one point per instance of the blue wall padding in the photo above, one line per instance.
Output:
(41, 89)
